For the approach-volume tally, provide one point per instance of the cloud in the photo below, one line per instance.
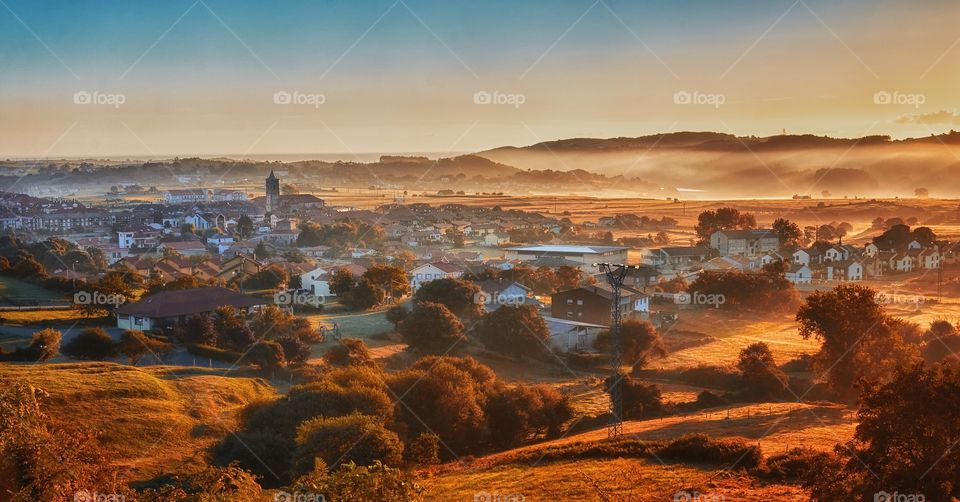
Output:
(940, 117)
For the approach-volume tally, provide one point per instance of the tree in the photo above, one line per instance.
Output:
(364, 295)
(267, 354)
(905, 440)
(859, 340)
(431, 327)
(457, 295)
(396, 315)
(342, 282)
(639, 342)
(199, 329)
(389, 278)
(568, 277)
(724, 218)
(135, 345)
(91, 343)
(639, 400)
(244, 227)
(232, 331)
(761, 376)
(424, 449)
(921, 193)
(349, 352)
(517, 413)
(517, 331)
(295, 351)
(788, 231)
(353, 438)
(261, 252)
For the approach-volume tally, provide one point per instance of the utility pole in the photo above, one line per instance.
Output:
(616, 273)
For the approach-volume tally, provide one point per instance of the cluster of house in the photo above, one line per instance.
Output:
(751, 250)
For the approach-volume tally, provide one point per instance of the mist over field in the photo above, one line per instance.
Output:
(731, 167)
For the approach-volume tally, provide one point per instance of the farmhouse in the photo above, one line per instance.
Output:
(171, 307)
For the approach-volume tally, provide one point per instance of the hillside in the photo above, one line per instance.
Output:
(150, 420)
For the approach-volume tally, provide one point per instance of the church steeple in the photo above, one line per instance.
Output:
(272, 193)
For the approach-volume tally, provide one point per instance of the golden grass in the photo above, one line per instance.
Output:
(39, 316)
(150, 419)
(619, 479)
(732, 334)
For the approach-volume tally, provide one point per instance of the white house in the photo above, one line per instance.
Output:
(902, 262)
(928, 258)
(317, 281)
(499, 293)
(495, 239)
(432, 271)
(799, 274)
(914, 244)
(801, 257)
(198, 222)
(845, 271)
(744, 242)
(871, 250)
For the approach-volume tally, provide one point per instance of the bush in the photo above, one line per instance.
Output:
(700, 448)
(267, 355)
(295, 350)
(796, 465)
(457, 295)
(516, 331)
(639, 400)
(44, 345)
(354, 438)
(352, 482)
(91, 343)
(135, 345)
(424, 449)
(349, 352)
(516, 413)
(396, 315)
(761, 378)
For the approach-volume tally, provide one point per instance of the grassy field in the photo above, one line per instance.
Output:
(606, 479)
(12, 287)
(152, 420)
(732, 332)
(39, 316)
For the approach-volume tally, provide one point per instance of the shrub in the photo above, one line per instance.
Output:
(639, 342)
(349, 352)
(135, 345)
(457, 295)
(517, 331)
(424, 449)
(91, 343)
(354, 438)
(396, 315)
(44, 345)
(352, 482)
(700, 448)
(267, 355)
(761, 377)
(793, 466)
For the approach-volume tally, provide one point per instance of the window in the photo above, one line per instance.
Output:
(138, 321)
(569, 301)
(579, 302)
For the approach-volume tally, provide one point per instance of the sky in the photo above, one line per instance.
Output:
(295, 77)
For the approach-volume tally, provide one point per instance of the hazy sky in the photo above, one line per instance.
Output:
(181, 77)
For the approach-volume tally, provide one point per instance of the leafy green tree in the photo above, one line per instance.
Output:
(353, 438)
(459, 296)
(517, 331)
(91, 343)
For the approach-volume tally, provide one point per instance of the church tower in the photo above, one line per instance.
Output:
(273, 193)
